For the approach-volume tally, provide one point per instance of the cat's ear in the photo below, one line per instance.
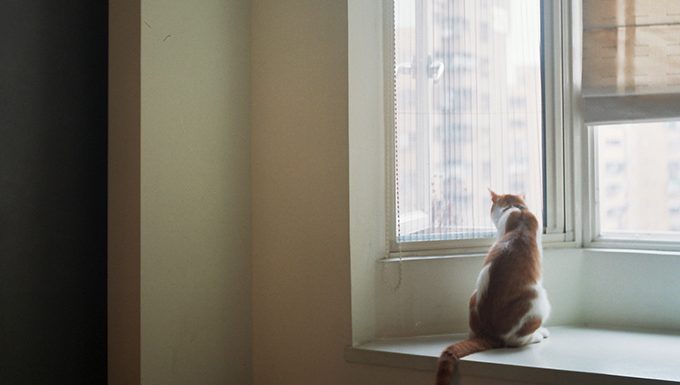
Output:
(494, 196)
(523, 196)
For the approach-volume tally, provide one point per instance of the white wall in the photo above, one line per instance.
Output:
(367, 138)
(631, 289)
(195, 192)
(433, 295)
(179, 190)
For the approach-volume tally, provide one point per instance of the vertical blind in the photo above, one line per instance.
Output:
(467, 112)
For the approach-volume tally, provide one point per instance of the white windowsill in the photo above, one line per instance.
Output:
(414, 257)
(572, 355)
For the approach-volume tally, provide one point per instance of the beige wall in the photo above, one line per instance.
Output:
(190, 140)
(179, 186)
(300, 201)
(180, 251)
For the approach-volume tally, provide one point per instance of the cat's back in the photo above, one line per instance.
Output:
(513, 268)
(519, 243)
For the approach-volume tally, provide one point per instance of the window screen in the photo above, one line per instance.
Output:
(468, 113)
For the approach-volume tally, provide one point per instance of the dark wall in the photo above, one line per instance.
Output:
(53, 70)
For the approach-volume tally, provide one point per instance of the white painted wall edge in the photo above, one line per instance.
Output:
(366, 160)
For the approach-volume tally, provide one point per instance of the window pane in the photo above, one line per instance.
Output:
(638, 183)
(468, 113)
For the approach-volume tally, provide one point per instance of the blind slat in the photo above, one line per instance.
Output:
(631, 108)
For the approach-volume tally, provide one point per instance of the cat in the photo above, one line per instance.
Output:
(509, 304)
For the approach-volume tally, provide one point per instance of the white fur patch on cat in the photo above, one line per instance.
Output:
(540, 308)
(482, 282)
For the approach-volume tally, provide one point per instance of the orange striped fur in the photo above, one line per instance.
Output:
(509, 304)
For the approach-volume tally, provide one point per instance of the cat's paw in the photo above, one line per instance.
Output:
(539, 335)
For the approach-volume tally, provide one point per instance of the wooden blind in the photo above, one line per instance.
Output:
(631, 47)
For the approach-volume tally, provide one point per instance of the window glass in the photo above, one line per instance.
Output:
(638, 183)
(468, 113)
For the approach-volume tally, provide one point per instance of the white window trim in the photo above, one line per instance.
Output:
(569, 137)
(559, 228)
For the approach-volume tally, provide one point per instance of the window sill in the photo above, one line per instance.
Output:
(556, 243)
(564, 246)
(572, 355)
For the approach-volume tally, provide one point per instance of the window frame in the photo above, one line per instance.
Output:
(592, 236)
(570, 175)
(558, 229)
(599, 111)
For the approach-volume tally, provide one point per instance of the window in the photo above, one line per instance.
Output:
(631, 87)
(468, 115)
(638, 173)
(387, 292)
(558, 100)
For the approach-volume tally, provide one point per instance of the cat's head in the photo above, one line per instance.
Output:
(502, 202)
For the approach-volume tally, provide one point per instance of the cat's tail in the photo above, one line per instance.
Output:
(450, 356)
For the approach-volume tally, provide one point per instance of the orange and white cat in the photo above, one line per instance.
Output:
(509, 304)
